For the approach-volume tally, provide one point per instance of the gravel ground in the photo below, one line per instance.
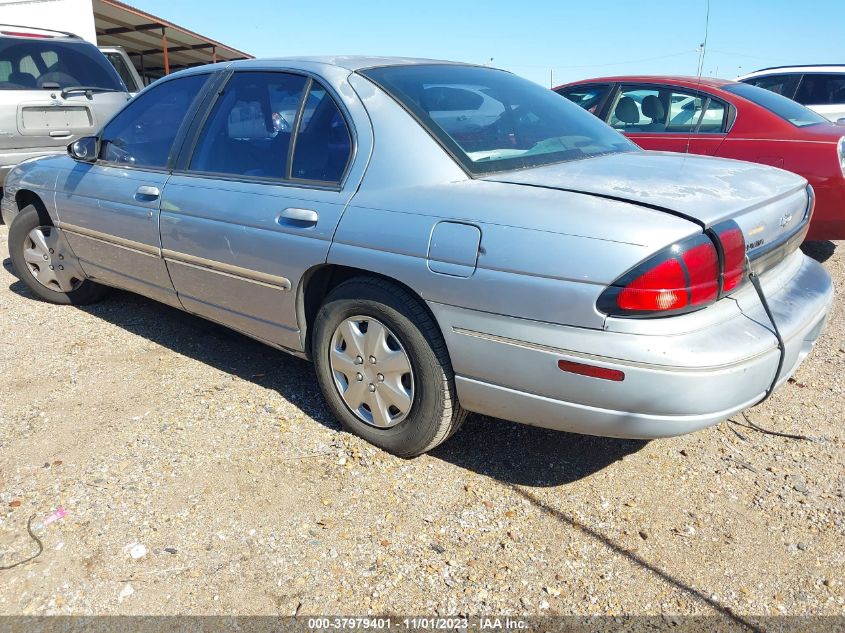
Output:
(202, 474)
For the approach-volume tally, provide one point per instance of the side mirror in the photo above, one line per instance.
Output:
(840, 121)
(84, 149)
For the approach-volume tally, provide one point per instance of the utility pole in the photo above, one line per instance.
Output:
(551, 78)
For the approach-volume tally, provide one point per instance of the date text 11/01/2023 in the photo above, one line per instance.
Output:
(417, 623)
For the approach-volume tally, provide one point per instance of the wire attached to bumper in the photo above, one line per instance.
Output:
(755, 281)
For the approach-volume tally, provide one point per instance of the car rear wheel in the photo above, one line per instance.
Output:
(44, 263)
(383, 367)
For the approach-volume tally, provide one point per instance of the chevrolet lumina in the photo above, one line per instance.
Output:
(438, 238)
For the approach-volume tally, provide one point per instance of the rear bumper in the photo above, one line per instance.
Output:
(687, 373)
(9, 158)
(828, 221)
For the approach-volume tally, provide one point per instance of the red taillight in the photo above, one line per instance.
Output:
(661, 288)
(733, 252)
(683, 277)
(702, 264)
(22, 34)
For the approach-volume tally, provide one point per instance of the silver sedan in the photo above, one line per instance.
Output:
(438, 238)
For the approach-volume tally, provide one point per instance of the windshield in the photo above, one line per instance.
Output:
(491, 120)
(35, 64)
(786, 109)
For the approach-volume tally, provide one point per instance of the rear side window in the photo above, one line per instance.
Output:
(323, 144)
(821, 89)
(713, 119)
(116, 60)
(784, 84)
(274, 125)
(668, 110)
(588, 97)
(142, 134)
(250, 128)
(35, 64)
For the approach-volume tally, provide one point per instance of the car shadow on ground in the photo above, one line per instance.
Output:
(511, 453)
(820, 251)
(529, 456)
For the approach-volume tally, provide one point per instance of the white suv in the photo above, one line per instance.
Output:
(54, 88)
(820, 88)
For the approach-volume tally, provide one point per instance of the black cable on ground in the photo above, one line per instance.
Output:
(756, 427)
(34, 538)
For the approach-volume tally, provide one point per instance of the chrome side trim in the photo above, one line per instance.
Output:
(112, 240)
(595, 357)
(228, 270)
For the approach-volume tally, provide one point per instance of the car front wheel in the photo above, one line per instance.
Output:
(383, 367)
(44, 263)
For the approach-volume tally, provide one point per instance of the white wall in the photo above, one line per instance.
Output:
(75, 16)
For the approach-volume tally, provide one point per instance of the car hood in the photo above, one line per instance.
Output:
(701, 188)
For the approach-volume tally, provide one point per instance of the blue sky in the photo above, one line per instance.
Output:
(532, 37)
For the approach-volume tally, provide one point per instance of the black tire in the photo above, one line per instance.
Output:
(435, 413)
(24, 222)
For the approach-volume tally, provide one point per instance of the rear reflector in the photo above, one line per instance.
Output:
(591, 370)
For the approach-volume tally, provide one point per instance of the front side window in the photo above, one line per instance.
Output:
(588, 97)
(250, 131)
(821, 90)
(780, 84)
(666, 110)
(491, 120)
(36, 64)
(142, 134)
(786, 109)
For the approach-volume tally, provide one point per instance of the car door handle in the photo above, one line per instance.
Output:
(298, 217)
(146, 191)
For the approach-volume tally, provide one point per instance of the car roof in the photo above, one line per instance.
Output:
(18, 31)
(816, 68)
(708, 82)
(349, 62)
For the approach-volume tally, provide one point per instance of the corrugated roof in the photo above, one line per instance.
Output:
(140, 34)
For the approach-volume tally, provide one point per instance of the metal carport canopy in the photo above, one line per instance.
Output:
(157, 47)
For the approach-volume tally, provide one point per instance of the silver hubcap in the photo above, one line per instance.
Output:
(44, 254)
(372, 371)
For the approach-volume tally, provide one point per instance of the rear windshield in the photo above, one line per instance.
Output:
(786, 109)
(35, 64)
(491, 120)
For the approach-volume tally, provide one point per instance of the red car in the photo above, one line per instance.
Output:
(731, 120)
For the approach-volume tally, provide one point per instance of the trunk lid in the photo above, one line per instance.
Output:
(43, 118)
(768, 204)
